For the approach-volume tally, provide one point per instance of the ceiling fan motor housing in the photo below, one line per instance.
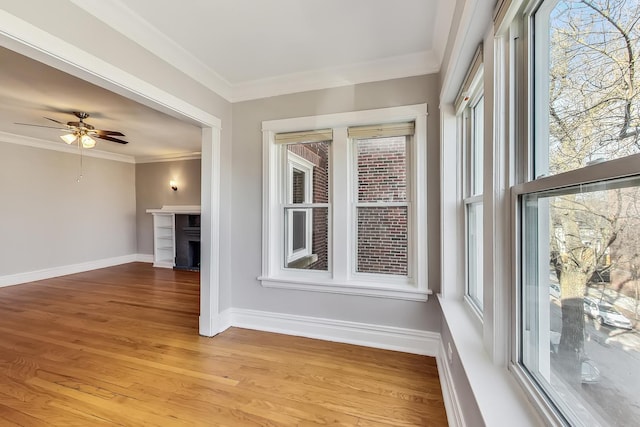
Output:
(81, 125)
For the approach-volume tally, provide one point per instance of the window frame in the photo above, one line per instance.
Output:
(523, 106)
(295, 161)
(355, 203)
(339, 279)
(474, 195)
(471, 94)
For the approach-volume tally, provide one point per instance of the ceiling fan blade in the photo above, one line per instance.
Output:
(108, 138)
(108, 132)
(41, 126)
(54, 120)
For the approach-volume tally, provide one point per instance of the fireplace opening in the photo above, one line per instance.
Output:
(187, 242)
(193, 260)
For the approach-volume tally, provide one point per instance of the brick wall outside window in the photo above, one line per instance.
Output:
(382, 170)
(382, 245)
(382, 240)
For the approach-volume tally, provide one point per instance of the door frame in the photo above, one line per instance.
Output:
(31, 41)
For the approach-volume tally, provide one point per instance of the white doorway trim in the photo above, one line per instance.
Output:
(29, 40)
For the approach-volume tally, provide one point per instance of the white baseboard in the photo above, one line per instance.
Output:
(449, 394)
(48, 273)
(369, 335)
(148, 258)
(224, 320)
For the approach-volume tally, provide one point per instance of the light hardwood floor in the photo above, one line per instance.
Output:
(119, 346)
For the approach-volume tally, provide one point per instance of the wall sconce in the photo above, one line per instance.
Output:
(173, 185)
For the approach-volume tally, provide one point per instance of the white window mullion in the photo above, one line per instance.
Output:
(341, 205)
(271, 226)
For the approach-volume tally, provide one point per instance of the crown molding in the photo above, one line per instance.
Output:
(64, 148)
(120, 17)
(169, 157)
(414, 64)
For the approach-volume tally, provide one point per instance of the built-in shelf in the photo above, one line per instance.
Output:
(164, 233)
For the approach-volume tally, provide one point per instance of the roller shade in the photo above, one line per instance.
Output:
(379, 131)
(473, 73)
(304, 136)
(499, 13)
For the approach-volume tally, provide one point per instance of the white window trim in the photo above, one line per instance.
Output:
(467, 135)
(483, 347)
(339, 279)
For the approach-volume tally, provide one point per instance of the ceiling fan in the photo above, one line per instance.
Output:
(82, 131)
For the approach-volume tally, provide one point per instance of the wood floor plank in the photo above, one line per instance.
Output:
(120, 346)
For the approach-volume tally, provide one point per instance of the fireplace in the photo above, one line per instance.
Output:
(193, 260)
(188, 242)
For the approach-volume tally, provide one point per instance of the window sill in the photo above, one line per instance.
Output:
(370, 289)
(474, 311)
(303, 262)
(499, 399)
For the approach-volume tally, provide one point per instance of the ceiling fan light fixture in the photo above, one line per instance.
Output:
(69, 138)
(87, 141)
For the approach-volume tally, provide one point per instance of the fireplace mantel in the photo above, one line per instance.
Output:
(178, 209)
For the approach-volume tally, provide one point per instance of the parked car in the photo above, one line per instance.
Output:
(554, 290)
(606, 314)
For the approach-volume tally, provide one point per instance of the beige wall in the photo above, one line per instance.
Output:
(246, 224)
(50, 220)
(153, 192)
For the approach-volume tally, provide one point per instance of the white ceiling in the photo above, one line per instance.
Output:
(241, 49)
(245, 49)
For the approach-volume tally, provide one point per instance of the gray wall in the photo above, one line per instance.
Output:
(153, 192)
(246, 226)
(470, 411)
(50, 220)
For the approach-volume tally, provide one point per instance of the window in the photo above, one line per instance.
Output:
(303, 171)
(470, 107)
(341, 200)
(381, 196)
(578, 213)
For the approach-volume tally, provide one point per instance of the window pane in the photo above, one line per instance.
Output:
(307, 238)
(310, 172)
(580, 287)
(587, 83)
(299, 229)
(477, 146)
(382, 169)
(382, 240)
(298, 183)
(474, 253)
